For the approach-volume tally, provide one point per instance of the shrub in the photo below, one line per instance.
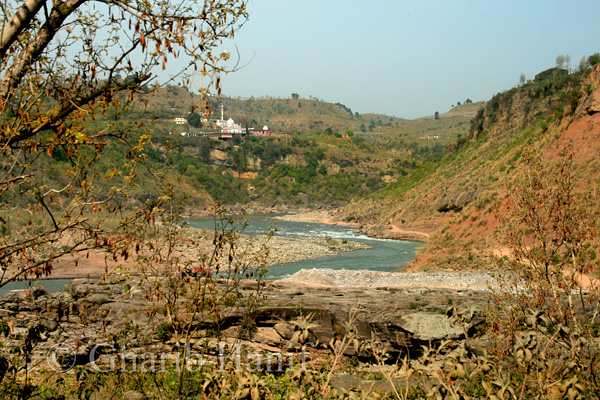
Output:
(331, 241)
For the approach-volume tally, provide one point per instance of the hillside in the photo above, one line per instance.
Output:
(324, 154)
(281, 115)
(302, 115)
(454, 202)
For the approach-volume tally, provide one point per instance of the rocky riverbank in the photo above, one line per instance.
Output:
(479, 280)
(120, 313)
(285, 250)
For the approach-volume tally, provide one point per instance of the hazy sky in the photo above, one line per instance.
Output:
(405, 58)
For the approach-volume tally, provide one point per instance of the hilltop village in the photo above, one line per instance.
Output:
(225, 130)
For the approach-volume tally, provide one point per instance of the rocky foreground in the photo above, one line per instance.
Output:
(404, 311)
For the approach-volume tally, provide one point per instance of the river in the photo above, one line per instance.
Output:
(386, 254)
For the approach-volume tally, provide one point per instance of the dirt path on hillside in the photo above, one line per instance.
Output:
(397, 230)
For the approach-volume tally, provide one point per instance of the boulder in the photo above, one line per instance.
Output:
(285, 330)
(50, 324)
(267, 335)
(457, 202)
(97, 298)
(431, 327)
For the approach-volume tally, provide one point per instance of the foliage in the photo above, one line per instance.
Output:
(555, 90)
(409, 181)
(553, 237)
(56, 81)
(195, 120)
(200, 288)
(286, 182)
(550, 73)
(544, 319)
(593, 59)
(345, 109)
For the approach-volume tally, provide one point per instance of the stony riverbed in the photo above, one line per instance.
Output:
(292, 249)
(480, 280)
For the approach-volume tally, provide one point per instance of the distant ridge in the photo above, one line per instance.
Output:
(281, 115)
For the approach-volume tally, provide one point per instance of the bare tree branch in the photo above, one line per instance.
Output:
(23, 16)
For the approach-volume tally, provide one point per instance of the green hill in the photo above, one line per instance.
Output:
(324, 155)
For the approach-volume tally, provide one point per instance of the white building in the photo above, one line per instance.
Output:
(231, 127)
(260, 132)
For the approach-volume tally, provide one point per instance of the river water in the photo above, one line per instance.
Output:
(386, 254)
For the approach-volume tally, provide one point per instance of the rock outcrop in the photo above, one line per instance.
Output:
(456, 203)
(405, 318)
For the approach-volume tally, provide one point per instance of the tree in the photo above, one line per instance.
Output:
(583, 64)
(295, 96)
(549, 295)
(437, 115)
(239, 160)
(522, 79)
(205, 146)
(70, 71)
(560, 61)
(468, 101)
(594, 59)
(195, 120)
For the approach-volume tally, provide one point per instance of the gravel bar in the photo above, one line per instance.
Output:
(479, 280)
